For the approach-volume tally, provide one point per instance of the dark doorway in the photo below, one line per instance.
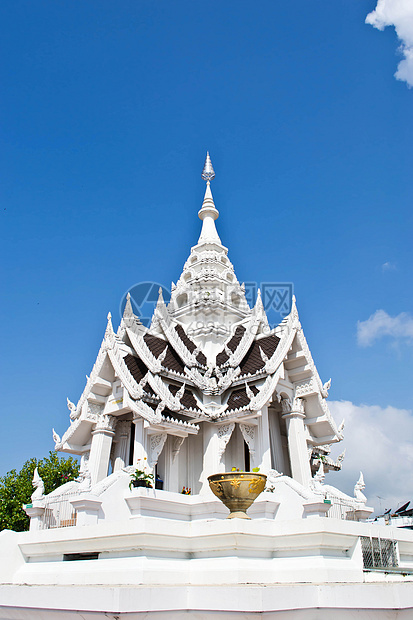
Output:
(247, 457)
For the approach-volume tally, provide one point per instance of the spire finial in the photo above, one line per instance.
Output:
(208, 172)
(208, 212)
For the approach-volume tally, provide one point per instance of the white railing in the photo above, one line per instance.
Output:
(341, 509)
(59, 512)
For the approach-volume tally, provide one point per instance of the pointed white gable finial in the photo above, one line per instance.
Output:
(160, 304)
(128, 310)
(109, 327)
(109, 333)
(208, 212)
(258, 302)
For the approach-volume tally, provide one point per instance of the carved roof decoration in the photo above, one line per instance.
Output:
(259, 354)
(136, 367)
(187, 398)
(232, 345)
(239, 398)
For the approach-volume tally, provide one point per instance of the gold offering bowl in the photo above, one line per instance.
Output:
(237, 490)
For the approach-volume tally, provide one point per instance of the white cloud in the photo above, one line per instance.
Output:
(378, 442)
(388, 266)
(397, 13)
(382, 324)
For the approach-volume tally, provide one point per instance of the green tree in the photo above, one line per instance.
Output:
(16, 487)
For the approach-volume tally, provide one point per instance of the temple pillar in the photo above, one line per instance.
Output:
(122, 445)
(102, 437)
(215, 439)
(139, 444)
(277, 452)
(263, 460)
(294, 415)
(172, 479)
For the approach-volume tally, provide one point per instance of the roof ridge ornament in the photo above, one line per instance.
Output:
(208, 172)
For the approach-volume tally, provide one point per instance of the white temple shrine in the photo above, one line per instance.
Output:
(206, 388)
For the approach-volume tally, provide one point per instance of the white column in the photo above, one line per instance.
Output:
(172, 481)
(102, 436)
(277, 461)
(297, 444)
(264, 458)
(122, 443)
(139, 445)
(215, 439)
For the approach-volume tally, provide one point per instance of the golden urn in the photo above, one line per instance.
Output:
(237, 490)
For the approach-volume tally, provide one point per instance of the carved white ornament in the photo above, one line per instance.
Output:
(340, 458)
(286, 405)
(249, 392)
(141, 410)
(122, 371)
(224, 435)
(325, 389)
(93, 410)
(71, 406)
(304, 388)
(162, 390)
(176, 446)
(144, 352)
(58, 444)
(248, 433)
(156, 445)
(105, 423)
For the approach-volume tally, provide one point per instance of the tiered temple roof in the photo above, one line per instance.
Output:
(206, 357)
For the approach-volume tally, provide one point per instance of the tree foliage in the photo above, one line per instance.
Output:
(16, 487)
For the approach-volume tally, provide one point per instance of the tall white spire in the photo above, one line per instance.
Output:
(208, 212)
(208, 298)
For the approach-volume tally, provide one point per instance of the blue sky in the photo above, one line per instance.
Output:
(107, 110)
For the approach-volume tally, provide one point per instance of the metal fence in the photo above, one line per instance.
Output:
(379, 553)
(59, 512)
(341, 509)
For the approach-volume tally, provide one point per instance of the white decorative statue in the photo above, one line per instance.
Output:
(85, 477)
(39, 487)
(271, 477)
(359, 486)
(316, 483)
